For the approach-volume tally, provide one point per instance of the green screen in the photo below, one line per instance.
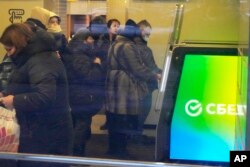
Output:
(206, 109)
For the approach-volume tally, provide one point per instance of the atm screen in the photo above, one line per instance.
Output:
(206, 108)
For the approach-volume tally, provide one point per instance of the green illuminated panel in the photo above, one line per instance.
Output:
(203, 125)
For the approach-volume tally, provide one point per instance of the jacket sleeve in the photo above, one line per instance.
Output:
(149, 60)
(133, 64)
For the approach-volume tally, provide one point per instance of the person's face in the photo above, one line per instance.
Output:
(10, 50)
(53, 21)
(145, 33)
(89, 40)
(114, 27)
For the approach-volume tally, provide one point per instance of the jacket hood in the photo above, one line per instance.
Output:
(81, 34)
(76, 44)
(41, 41)
(44, 15)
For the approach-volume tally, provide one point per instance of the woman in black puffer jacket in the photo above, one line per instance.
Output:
(86, 86)
(38, 90)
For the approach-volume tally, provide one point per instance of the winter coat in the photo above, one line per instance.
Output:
(6, 68)
(125, 69)
(40, 89)
(86, 81)
(147, 57)
(61, 42)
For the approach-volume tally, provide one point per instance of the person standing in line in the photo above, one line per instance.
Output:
(148, 60)
(38, 91)
(98, 29)
(123, 95)
(85, 74)
(113, 27)
(6, 67)
(55, 29)
(52, 22)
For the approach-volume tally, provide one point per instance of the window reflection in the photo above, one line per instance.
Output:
(204, 23)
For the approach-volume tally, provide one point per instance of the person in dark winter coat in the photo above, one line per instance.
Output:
(98, 29)
(147, 57)
(86, 89)
(125, 87)
(6, 69)
(113, 27)
(38, 91)
(103, 40)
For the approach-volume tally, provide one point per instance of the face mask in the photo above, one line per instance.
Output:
(54, 28)
(145, 38)
(147, 31)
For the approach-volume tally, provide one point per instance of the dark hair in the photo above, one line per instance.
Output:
(17, 35)
(111, 21)
(144, 23)
(81, 34)
(131, 30)
(97, 20)
(98, 26)
(58, 18)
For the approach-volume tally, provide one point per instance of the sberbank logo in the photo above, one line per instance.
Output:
(195, 108)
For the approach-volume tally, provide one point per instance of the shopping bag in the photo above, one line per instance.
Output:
(9, 130)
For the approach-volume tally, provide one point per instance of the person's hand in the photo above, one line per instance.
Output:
(97, 60)
(7, 101)
(1, 94)
(158, 76)
(58, 54)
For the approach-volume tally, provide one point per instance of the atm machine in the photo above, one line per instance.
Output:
(202, 103)
(204, 108)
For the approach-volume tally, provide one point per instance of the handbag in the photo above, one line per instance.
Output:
(9, 130)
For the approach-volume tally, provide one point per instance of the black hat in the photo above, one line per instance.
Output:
(82, 34)
(35, 22)
(131, 30)
(98, 26)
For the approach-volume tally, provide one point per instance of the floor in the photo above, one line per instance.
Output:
(139, 148)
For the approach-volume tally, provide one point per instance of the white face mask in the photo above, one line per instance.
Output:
(145, 38)
(146, 33)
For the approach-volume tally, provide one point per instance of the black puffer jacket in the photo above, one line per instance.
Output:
(40, 89)
(61, 42)
(86, 78)
(148, 60)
